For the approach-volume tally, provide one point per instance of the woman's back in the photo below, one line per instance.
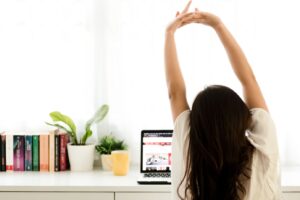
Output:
(264, 181)
(219, 153)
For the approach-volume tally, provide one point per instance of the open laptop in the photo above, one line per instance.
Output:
(156, 149)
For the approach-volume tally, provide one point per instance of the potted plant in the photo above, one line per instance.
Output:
(106, 145)
(81, 155)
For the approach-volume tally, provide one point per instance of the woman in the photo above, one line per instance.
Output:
(223, 148)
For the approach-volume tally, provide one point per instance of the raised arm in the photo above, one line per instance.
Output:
(174, 78)
(252, 93)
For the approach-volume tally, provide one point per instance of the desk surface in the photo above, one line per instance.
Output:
(97, 181)
(103, 181)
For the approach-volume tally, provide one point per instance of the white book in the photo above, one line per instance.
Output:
(9, 152)
(51, 150)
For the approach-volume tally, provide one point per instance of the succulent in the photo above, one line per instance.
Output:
(109, 143)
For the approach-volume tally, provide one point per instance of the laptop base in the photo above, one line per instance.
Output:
(154, 183)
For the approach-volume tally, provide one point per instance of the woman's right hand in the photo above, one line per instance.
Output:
(204, 18)
(185, 18)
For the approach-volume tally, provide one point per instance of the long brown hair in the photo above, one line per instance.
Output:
(219, 153)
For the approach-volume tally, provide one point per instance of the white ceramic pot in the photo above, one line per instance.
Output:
(81, 157)
(106, 161)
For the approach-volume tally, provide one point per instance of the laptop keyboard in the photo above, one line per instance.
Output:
(159, 175)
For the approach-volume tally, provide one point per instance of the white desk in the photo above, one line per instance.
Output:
(99, 185)
(67, 185)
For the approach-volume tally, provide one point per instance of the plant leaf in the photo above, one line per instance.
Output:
(86, 136)
(101, 150)
(109, 143)
(59, 117)
(101, 113)
(73, 136)
(59, 126)
(98, 116)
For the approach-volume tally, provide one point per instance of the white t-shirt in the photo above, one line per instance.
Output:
(264, 183)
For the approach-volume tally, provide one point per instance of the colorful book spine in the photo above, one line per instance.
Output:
(28, 153)
(68, 161)
(0, 152)
(44, 152)
(19, 150)
(57, 153)
(3, 152)
(51, 150)
(9, 152)
(35, 153)
(63, 152)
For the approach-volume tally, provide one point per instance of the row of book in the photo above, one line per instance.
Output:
(34, 152)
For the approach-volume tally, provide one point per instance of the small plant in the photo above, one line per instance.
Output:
(65, 123)
(109, 143)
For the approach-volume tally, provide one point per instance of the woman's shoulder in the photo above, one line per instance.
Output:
(259, 112)
(261, 121)
(182, 117)
(262, 132)
(182, 127)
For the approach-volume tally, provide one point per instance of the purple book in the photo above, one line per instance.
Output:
(28, 153)
(19, 152)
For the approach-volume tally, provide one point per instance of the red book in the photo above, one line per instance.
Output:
(63, 151)
(68, 141)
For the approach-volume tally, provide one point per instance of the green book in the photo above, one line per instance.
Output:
(35, 153)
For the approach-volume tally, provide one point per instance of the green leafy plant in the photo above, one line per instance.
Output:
(65, 123)
(109, 143)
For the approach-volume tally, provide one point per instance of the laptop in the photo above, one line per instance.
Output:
(156, 150)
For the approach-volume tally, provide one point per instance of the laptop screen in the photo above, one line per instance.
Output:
(156, 150)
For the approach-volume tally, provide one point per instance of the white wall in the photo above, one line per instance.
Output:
(46, 62)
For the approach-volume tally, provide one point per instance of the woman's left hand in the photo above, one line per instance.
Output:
(180, 19)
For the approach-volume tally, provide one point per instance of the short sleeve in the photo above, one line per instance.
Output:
(265, 178)
(179, 151)
(181, 128)
(262, 134)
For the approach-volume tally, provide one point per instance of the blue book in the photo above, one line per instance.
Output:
(28, 153)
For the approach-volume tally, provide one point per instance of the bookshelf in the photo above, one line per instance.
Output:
(99, 184)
